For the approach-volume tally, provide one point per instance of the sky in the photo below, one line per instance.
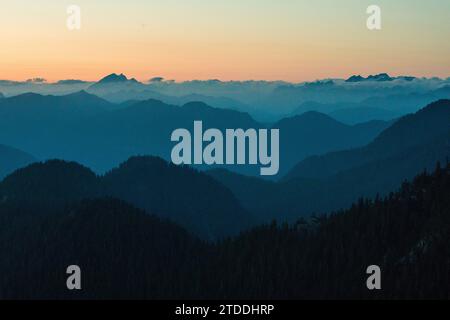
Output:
(291, 40)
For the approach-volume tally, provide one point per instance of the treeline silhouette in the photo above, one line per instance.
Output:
(126, 253)
(184, 195)
(336, 180)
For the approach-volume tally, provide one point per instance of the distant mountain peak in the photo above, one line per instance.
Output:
(380, 77)
(319, 83)
(115, 78)
(355, 78)
(377, 77)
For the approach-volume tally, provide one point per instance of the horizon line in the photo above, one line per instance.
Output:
(44, 81)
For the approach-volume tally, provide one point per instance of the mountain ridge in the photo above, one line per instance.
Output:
(149, 183)
(423, 125)
(12, 159)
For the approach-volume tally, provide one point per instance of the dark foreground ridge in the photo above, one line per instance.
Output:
(125, 253)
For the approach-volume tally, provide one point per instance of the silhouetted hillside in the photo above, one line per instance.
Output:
(96, 133)
(45, 108)
(384, 106)
(357, 115)
(124, 253)
(12, 159)
(145, 129)
(186, 196)
(257, 195)
(193, 199)
(411, 130)
(290, 199)
(52, 184)
(89, 130)
(334, 181)
(314, 133)
(406, 234)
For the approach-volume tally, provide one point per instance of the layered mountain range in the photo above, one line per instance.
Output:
(99, 134)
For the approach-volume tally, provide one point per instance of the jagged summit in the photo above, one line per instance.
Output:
(377, 77)
(116, 78)
(113, 77)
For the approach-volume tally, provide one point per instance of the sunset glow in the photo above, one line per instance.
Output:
(292, 40)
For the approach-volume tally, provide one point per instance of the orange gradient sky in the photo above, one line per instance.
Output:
(293, 40)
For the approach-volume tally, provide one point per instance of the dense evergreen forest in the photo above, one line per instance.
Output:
(186, 196)
(125, 252)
